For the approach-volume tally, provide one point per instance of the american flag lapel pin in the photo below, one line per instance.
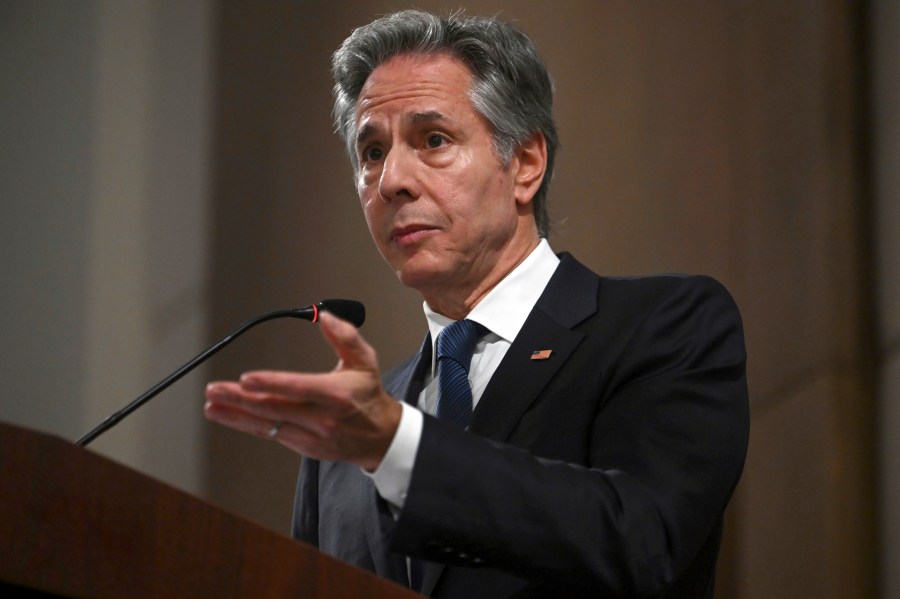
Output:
(541, 354)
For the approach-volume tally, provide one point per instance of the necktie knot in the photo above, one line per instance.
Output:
(455, 345)
(457, 341)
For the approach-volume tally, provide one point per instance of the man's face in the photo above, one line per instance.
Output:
(441, 208)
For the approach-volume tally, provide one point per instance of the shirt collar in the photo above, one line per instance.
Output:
(506, 307)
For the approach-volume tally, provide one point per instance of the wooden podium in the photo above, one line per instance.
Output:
(75, 524)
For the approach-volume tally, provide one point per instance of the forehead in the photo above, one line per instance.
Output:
(413, 82)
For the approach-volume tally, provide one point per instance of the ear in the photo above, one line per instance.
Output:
(530, 161)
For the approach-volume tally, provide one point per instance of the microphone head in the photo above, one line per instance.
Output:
(349, 310)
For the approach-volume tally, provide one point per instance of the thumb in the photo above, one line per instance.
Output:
(353, 351)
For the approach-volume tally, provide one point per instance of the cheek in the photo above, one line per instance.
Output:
(492, 195)
(373, 217)
(362, 189)
(372, 212)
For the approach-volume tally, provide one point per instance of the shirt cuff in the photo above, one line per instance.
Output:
(392, 476)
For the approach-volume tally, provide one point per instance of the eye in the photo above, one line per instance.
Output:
(435, 140)
(372, 154)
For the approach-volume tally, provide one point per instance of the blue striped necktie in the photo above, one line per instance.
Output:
(455, 345)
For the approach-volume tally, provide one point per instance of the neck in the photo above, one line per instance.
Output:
(457, 304)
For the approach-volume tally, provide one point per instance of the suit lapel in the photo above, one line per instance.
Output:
(570, 298)
(404, 383)
(519, 380)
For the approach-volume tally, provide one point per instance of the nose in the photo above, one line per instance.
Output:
(398, 180)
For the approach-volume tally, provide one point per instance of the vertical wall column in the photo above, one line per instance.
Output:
(885, 122)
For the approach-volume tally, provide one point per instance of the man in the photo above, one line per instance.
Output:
(610, 415)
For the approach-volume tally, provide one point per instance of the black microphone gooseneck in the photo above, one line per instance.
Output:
(349, 310)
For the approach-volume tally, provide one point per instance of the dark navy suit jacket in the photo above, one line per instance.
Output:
(601, 471)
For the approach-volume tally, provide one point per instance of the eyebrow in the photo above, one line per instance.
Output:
(426, 117)
(429, 116)
(364, 133)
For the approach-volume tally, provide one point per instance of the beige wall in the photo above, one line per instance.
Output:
(168, 170)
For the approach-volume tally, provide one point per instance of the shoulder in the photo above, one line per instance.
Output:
(625, 298)
(644, 320)
(663, 289)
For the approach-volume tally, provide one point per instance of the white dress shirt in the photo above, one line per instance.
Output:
(503, 311)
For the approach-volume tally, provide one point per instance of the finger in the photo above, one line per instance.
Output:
(227, 404)
(225, 393)
(300, 441)
(230, 393)
(234, 399)
(353, 351)
(237, 419)
(289, 434)
(233, 402)
(323, 389)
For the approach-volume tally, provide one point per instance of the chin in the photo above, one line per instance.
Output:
(422, 269)
(418, 278)
(413, 279)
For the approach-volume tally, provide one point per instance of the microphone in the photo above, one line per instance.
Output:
(348, 310)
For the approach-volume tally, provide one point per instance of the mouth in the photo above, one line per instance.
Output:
(411, 234)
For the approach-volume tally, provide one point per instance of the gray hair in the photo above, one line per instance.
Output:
(512, 89)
